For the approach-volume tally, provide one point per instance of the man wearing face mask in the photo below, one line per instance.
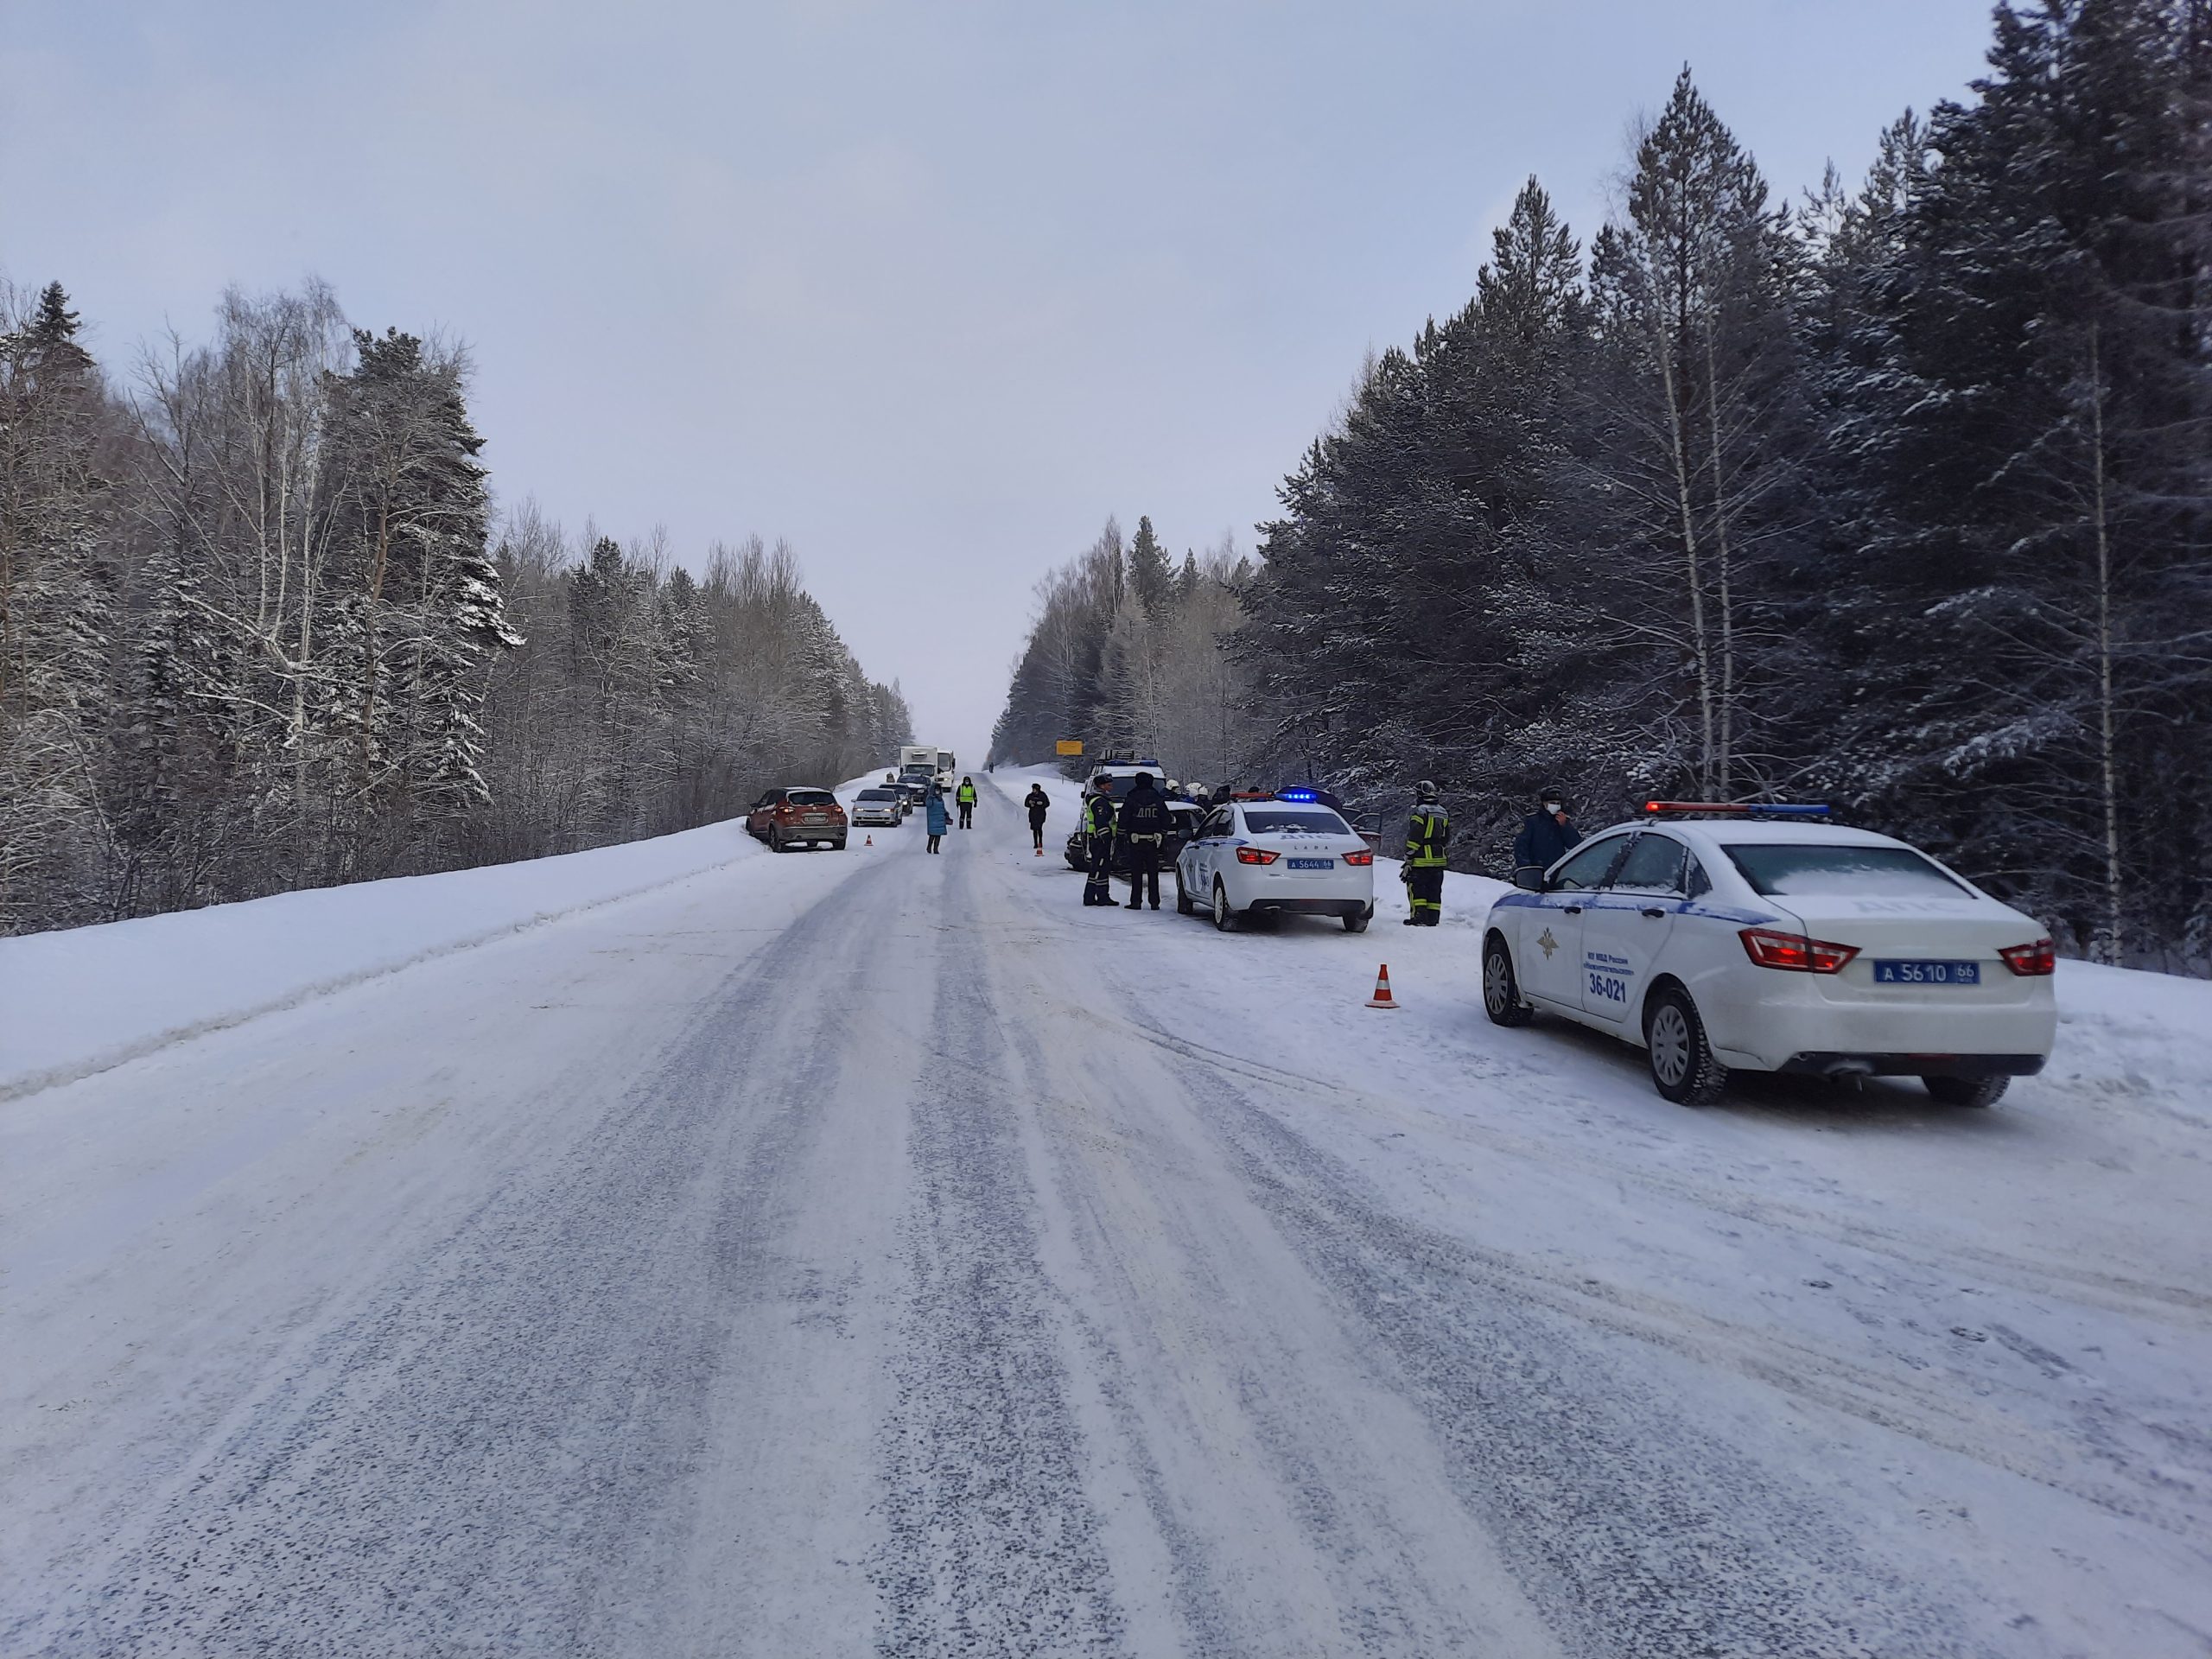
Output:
(1546, 837)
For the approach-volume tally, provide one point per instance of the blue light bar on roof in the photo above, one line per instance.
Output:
(1296, 795)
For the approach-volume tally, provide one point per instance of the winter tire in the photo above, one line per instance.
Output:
(776, 842)
(1683, 1068)
(1501, 986)
(1183, 905)
(1358, 921)
(1968, 1091)
(1224, 918)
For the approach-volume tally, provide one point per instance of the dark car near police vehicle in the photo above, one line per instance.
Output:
(1121, 777)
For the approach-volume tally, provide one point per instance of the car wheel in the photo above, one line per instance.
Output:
(776, 842)
(1224, 916)
(1683, 1068)
(1183, 905)
(1358, 921)
(1968, 1091)
(1501, 986)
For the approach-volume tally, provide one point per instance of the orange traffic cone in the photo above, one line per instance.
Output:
(1381, 999)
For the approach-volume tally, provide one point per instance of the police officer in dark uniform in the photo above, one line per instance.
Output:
(1546, 838)
(1143, 826)
(1428, 829)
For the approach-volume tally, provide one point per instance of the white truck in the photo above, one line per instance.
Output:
(940, 763)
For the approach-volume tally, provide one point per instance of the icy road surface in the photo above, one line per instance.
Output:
(873, 1253)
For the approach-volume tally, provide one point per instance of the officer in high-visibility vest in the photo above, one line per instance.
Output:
(965, 795)
(1427, 831)
(1098, 843)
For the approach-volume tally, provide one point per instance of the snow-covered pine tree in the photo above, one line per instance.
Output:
(2036, 410)
(424, 606)
(1150, 579)
(56, 616)
(1705, 431)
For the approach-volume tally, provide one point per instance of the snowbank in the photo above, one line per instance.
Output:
(84, 999)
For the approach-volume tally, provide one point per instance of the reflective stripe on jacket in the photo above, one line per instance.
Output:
(1427, 832)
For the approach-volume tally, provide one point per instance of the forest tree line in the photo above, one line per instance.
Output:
(1898, 496)
(259, 630)
(1127, 653)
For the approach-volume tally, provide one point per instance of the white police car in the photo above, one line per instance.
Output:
(1768, 939)
(1288, 854)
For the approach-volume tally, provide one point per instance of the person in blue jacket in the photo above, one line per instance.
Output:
(934, 815)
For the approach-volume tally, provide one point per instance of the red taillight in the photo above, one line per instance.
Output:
(2031, 961)
(1792, 952)
(1359, 858)
(1255, 855)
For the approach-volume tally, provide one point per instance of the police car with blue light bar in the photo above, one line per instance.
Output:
(1257, 857)
(1766, 937)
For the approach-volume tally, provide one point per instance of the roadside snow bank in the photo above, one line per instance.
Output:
(84, 999)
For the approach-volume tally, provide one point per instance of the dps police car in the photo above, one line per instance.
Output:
(1766, 938)
(1289, 854)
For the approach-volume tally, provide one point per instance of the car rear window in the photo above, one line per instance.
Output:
(1294, 820)
(811, 798)
(1808, 869)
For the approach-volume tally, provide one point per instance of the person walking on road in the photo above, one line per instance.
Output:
(1546, 838)
(1144, 822)
(1039, 803)
(966, 796)
(1428, 831)
(934, 819)
(1098, 844)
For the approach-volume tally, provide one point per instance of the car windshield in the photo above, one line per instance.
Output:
(1810, 868)
(811, 798)
(879, 794)
(1294, 821)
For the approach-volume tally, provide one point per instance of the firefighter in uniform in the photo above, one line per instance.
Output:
(1098, 844)
(1427, 831)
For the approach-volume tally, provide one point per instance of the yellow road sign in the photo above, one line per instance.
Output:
(1070, 746)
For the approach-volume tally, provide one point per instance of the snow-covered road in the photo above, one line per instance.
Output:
(877, 1252)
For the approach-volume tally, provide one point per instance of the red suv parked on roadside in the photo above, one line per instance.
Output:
(786, 818)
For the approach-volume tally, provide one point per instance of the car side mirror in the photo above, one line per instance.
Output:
(1530, 879)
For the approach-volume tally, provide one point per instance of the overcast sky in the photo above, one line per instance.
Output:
(929, 290)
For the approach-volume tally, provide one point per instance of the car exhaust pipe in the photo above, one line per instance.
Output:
(1837, 1071)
